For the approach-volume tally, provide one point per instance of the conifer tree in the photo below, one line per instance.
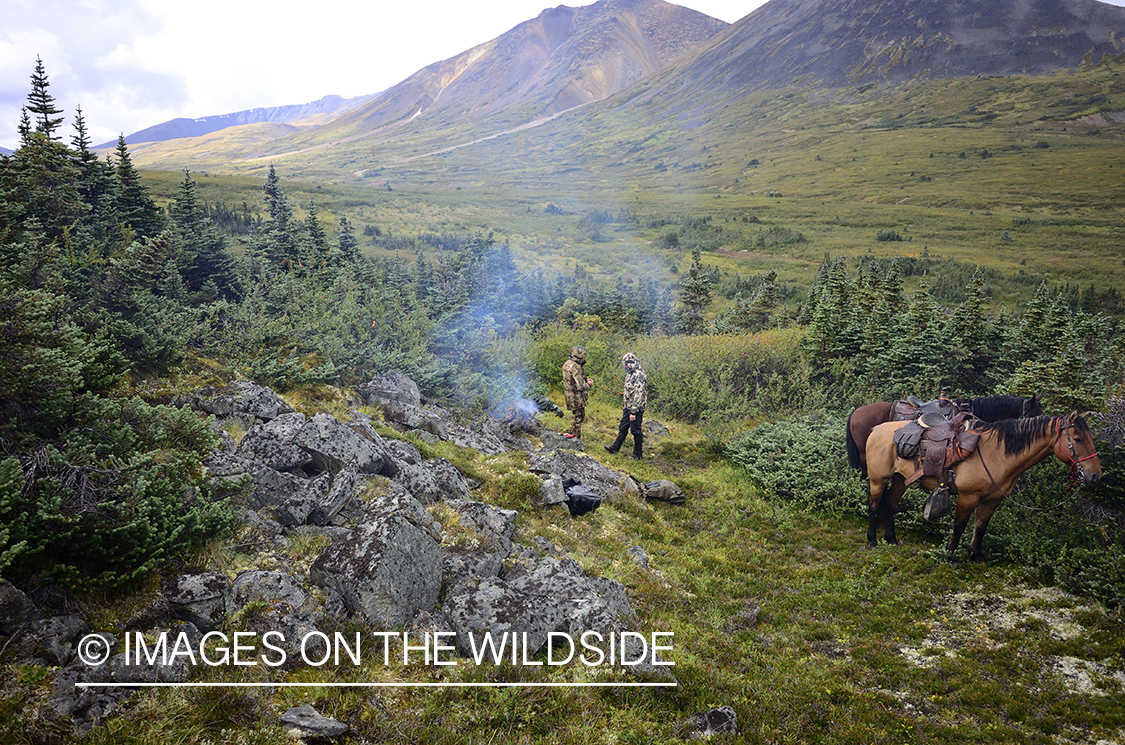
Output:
(134, 206)
(347, 244)
(42, 104)
(695, 296)
(202, 254)
(316, 237)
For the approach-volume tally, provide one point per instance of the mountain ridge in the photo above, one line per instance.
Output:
(310, 114)
(519, 78)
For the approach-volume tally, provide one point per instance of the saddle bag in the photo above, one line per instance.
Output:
(907, 440)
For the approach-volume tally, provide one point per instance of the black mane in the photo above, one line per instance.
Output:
(1018, 435)
(996, 408)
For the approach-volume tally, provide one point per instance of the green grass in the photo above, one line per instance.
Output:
(847, 166)
(850, 645)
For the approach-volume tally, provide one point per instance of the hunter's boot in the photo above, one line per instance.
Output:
(612, 449)
(638, 441)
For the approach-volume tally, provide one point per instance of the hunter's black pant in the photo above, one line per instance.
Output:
(625, 428)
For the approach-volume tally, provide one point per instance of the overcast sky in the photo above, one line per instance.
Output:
(131, 64)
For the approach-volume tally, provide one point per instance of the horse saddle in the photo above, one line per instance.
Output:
(937, 442)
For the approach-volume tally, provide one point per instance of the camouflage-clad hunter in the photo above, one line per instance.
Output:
(633, 412)
(576, 388)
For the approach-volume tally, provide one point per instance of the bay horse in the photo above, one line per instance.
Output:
(988, 408)
(1005, 450)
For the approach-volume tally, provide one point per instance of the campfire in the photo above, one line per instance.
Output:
(520, 417)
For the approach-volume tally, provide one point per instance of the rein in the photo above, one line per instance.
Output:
(1071, 458)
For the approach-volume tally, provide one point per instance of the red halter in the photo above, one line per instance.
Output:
(1071, 457)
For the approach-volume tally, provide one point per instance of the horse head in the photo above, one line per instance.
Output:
(1078, 450)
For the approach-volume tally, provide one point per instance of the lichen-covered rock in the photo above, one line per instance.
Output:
(551, 491)
(244, 400)
(414, 417)
(389, 566)
(50, 639)
(404, 452)
(272, 443)
(200, 599)
(392, 386)
(552, 441)
(334, 446)
(605, 481)
(332, 503)
(492, 529)
(296, 508)
(433, 480)
(554, 595)
(467, 438)
(308, 722)
(16, 608)
(278, 590)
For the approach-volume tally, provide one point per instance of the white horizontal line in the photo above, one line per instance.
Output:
(374, 685)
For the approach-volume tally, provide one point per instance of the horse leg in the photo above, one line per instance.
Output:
(984, 514)
(965, 507)
(895, 490)
(875, 509)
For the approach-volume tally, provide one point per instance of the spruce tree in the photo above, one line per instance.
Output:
(42, 104)
(134, 206)
(695, 296)
(203, 257)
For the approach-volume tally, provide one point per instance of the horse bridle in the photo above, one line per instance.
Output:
(1070, 457)
(1076, 473)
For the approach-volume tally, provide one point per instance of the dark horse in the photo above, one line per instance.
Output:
(1005, 450)
(989, 409)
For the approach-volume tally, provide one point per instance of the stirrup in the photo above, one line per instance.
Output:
(937, 505)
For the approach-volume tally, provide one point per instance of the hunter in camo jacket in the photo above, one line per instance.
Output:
(576, 388)
(633, 411)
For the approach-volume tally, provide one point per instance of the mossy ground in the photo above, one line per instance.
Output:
(847, 645)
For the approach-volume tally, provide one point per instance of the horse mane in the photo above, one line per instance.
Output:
(995, 408)
(1019, 435)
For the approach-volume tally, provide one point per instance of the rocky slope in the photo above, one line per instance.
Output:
(387, 564)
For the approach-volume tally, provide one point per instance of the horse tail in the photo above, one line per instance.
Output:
(853, 448)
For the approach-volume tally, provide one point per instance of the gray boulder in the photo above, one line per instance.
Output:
(554, 595)
(414, 417)
(305, 721)
(433, 480)
(200, 599)
(16, 608)
(272, 443)
(404, 452)
(467, 438)
(491, 530)
(248, 401)
(552, 441)
(339, 495)
(551, 491)
(50, 639)
(269, 487)
(604, 481)
(295, 509)
(278, 590)
(392, 386)
(334, 446)
(389, 566)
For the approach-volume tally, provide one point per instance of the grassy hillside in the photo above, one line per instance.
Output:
(777, 612)
(1019, 174)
